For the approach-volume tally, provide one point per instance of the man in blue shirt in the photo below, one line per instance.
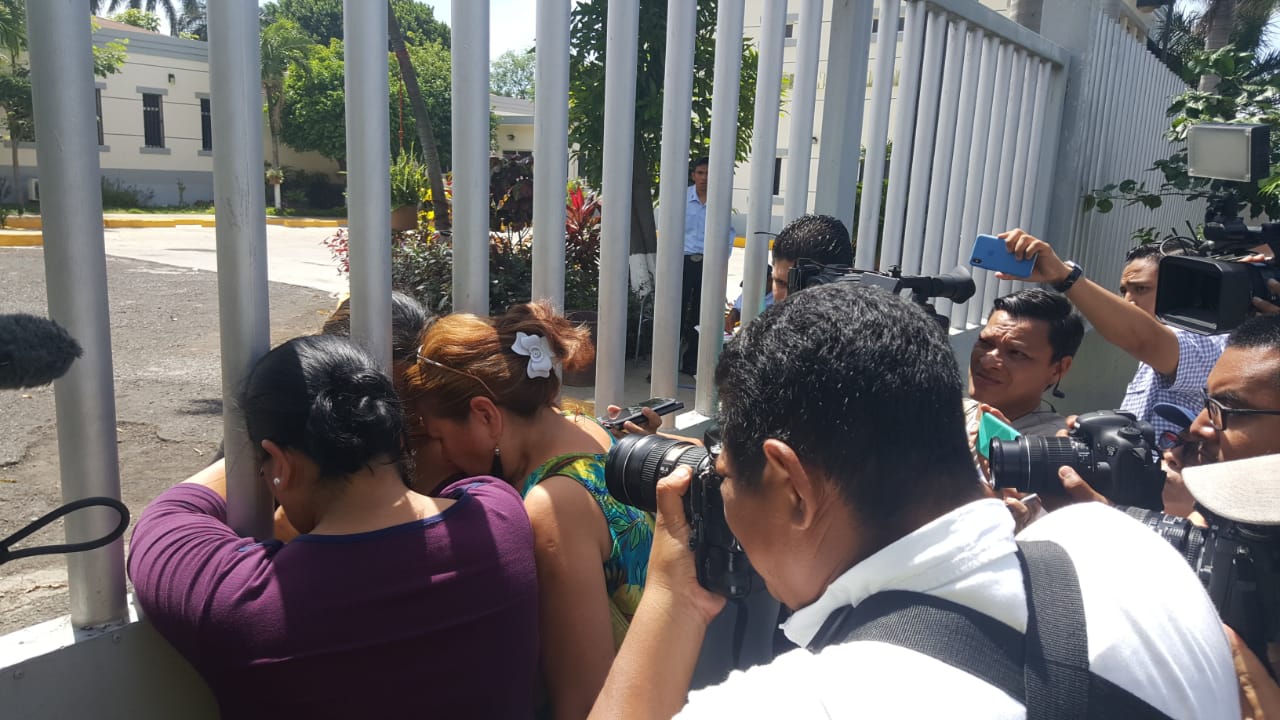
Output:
(695, 228)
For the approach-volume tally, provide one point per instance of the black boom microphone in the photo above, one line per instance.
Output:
(34, 351)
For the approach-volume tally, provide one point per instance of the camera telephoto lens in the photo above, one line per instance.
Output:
(637, 462)
(1030, 463)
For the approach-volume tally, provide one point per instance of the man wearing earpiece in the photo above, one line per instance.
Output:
(1026, 347)
(1173, 363)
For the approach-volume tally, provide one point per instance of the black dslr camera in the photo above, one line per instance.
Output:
(955, 286)
(1239, 565)
(632, 470)
(1112, 451)
(1211, 290)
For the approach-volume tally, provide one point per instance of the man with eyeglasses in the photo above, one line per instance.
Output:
(1241, 416)
(1173, 363)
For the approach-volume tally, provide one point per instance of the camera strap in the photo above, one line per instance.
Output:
(1046, 668)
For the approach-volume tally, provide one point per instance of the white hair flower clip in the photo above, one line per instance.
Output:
(536, 348)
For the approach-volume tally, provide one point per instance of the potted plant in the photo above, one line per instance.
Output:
(407, 180)
(275, 178)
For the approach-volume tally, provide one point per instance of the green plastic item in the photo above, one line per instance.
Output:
(990, 428)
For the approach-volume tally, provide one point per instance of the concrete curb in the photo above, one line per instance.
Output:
(25, 231)
(21, 238)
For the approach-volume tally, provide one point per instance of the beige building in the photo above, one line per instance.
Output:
(154, 124)
(154, 130)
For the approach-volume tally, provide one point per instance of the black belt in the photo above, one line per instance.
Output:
(693, 257)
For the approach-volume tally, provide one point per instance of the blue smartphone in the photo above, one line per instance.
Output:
(989, 253)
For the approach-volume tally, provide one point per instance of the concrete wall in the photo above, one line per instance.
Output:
(515, 134)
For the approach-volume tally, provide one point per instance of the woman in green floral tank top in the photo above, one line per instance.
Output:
(481, 399)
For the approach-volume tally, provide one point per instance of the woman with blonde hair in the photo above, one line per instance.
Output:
(483, 396)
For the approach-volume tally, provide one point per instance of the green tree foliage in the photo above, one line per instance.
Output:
(314, 114)
(138, 18)
(170, 10)
(322, 19)
(285, 51)
(1240, 96)
(511, 75)
(586, 97)
(194, 23)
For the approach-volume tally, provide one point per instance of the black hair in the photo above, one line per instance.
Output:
(408, 317)
(1066, 328)
(820, 238)
(325, 397)
(862, 385)
(698, 162)
(1262, 332)
(1155, 250)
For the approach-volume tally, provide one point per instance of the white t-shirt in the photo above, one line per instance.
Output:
(1152, 629)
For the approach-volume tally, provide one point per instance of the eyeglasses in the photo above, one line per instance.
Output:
(1218, 413)
(429, 361)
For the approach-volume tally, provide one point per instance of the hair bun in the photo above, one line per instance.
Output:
(353, 415)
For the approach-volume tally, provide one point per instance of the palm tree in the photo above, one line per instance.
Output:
(194, 23)
(285, 48)
(1242, 22)
(173, 10)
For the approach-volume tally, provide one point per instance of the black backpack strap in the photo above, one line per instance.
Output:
(1057, 650)
(957, 635)
(1046, 669)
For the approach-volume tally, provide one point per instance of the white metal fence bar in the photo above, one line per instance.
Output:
(369, 172)
(1013, 218)
(924, 144)
(803, 99)
(962, 156)
(724, 145)
(76, 277)
(903, 134)
(239, 208)
(621, 41)
(873, 169)
(945, 149)
(677, 108)
(843, 106)
(973, 189)
(1008, 160)
(551, 157)
(470, 41)
(1035, 177)
(976, 309)
(764, 147)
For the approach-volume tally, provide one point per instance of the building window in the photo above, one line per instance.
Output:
(97, 101)
(790, 32)
(777, 175)
(206, 125)
(152, 120)
(875, 24)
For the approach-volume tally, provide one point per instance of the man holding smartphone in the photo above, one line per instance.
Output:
(1173, 363)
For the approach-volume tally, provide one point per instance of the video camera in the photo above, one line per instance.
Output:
(1114, 452)
(955, 286)
(1211, 292)
(631, 472)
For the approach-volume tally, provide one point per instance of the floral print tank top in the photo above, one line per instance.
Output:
(631, 531)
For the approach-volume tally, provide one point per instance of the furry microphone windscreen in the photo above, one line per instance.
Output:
(34, 351)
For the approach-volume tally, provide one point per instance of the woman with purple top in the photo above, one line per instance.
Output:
(388, 603)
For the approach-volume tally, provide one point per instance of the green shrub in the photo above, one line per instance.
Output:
(115, 194)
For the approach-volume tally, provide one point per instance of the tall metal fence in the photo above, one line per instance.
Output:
(1122, 112)
(977, 115)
